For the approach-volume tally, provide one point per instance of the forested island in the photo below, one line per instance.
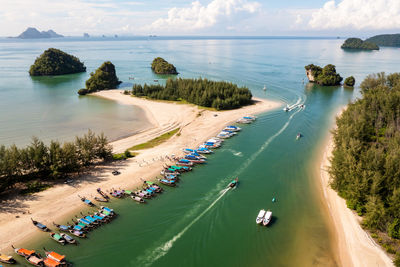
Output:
(203, 92)
(386, 40)
(161, 66)
(40, 163)
(326, 76)
(56, 62)
(349, 81)
(358, 44)
(365, 166)
(104, 78)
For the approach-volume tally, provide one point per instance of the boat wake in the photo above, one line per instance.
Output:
(265, 145)
(152, 256)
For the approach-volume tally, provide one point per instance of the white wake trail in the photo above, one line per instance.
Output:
(152, 256)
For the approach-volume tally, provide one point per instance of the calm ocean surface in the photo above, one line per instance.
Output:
(198, 223)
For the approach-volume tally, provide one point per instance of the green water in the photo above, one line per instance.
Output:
(200, 223)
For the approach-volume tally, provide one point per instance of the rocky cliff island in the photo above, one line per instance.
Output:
(104, 78)
(161, 66)
(56, 62)
(33, 33)
(358, 44)
(326, 76)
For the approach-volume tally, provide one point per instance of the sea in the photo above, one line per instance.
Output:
(200, 222)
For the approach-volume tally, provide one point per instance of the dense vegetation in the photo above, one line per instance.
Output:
(357, 43)
(46, 162)
(161, 66)
(56, 62)
(349, 81)
(104, 78)
(324, 76)
(202, 92)
(365, 166)
(386, 40)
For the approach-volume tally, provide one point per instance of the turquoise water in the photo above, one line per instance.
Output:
(200, 223)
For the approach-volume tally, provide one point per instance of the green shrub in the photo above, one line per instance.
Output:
(161, 66)
(397, 260)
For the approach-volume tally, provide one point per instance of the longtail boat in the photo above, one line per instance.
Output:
(195, 159)
(142, 194)
(102, 193)
(86, 201)
(68, 239)
(100, 199)
(48, 262)
(204, 150)
(127, 192)
(169, 171)
(184, 162)
(77, 233)
(64, 228)
(7, 259)
(117, 194)
(198, 155)
(138, 199)
(171, 177)
(40, 226)
(23, 251)
(153, 186)
(167, 182)
(58, 238)
(35, 260)
(60, 259)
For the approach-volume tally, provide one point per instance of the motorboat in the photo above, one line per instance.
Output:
(267, 218)
(260, 216)
(232, 128)
(298, 136)
(233, 183)
(286, 109)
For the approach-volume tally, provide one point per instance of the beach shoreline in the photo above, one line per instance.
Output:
(352, 245)
(55, 204)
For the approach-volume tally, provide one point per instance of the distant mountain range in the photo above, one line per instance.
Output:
(33, 33)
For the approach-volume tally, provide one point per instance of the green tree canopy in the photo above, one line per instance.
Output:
(56, 62)
(365, 166)
(324, 76)
(202, 92)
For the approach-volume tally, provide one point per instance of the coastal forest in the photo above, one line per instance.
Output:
(365, 165)
(203, 92)
(56, 62)
(161, 66)
(39, 162)
(386, 40)
(103, 78)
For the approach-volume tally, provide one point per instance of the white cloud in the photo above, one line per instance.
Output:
(199, 16)
(358, 15)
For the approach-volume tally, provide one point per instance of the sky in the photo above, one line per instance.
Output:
(360, 18)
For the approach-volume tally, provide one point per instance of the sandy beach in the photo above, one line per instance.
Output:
(354, 246)
(59, 202)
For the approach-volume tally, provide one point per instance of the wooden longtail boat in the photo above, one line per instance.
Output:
(54, 256)
(102, 193)
(48, 262)
(7, 259)
(87, 201)
(23, 251)
(167, 182)
(40, 226)
(68, 239)
(58, 238)
(64, 228)
(100, 199)
(35, 260)
(77, 233)
(138, 199)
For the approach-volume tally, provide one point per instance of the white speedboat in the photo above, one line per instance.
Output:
(286, 109)
(265, 88)
(267, 218)
(232, 128)
(260, 217)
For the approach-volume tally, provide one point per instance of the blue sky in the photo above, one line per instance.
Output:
(202, 17)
